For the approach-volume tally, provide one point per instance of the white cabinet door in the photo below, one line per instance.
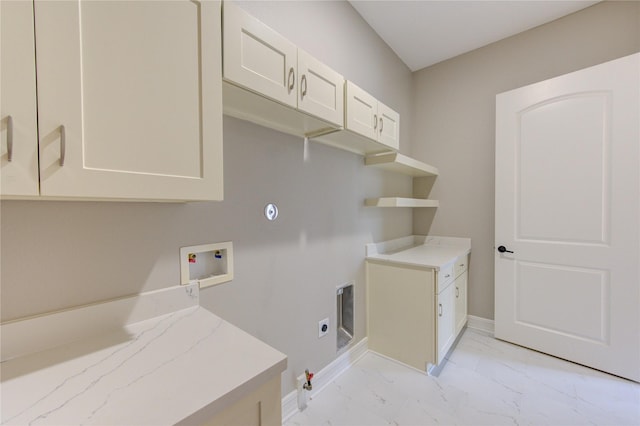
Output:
(388, 126)
(18, 100)
(460, 285)
(446, 320)
(361, 114)
(321, 89)
(129, 96)
(258, 58)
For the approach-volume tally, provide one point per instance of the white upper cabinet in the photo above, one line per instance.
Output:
(371, 118)
(129, 99)
(311, 99)
(259, 60)
(19, 144)
(370, 127)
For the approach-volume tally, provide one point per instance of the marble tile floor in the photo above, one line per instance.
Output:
(486, 382)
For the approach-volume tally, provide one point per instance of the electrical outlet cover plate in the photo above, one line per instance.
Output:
(323, 327)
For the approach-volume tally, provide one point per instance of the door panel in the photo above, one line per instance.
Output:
(568, 206)
(461, 301)
(361, 116)
(389, 126)
(129, 93)
(321, 89)
(446, 320)
(574, 206)
(18, 100)
(560, 314)
(116, 66)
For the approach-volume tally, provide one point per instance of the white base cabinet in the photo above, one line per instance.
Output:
(129, 99)
(415, 314)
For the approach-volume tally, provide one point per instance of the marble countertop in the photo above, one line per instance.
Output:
(167, 369)
(419, 251)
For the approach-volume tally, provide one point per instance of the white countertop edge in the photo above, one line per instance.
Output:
(420, 251)
(404, 243)
(426, 264)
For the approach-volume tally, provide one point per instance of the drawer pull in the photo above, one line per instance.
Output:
(439, 309)
(9, 138)
(292, 79)
(303, 82)
(63, 144)
(447, 276)
(381, 125)
(462, 265)
(457, 292)
(375, 121)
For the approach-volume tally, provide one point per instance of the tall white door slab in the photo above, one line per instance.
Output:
(568, 207)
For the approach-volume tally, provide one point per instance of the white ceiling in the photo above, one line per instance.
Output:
(426, 32)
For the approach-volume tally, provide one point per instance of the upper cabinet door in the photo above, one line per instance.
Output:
(130, 99)
(258, 58)
(320, 89)
(361, 116)
(19, 143)
(388, 126)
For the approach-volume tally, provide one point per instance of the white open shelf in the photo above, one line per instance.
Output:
(398, 163)
(400, 202)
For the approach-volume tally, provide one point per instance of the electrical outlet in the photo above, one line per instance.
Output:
(323, 327)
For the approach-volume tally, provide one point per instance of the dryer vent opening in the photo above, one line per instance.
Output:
(344, 298)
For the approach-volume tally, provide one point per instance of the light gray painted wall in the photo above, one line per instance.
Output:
(61, 254)
(454, 116)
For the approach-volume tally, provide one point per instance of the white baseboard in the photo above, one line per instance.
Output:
(480, 323)
(289, 405)
(323, 378)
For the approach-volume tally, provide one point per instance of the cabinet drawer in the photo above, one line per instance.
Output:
(445, 277)
(461, 265)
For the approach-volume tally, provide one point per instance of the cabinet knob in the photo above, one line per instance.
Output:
(439, 309)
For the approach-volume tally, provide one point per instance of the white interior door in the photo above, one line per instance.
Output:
(567, 206)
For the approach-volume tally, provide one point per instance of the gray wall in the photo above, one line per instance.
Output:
(454, 116)
(56, 255)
